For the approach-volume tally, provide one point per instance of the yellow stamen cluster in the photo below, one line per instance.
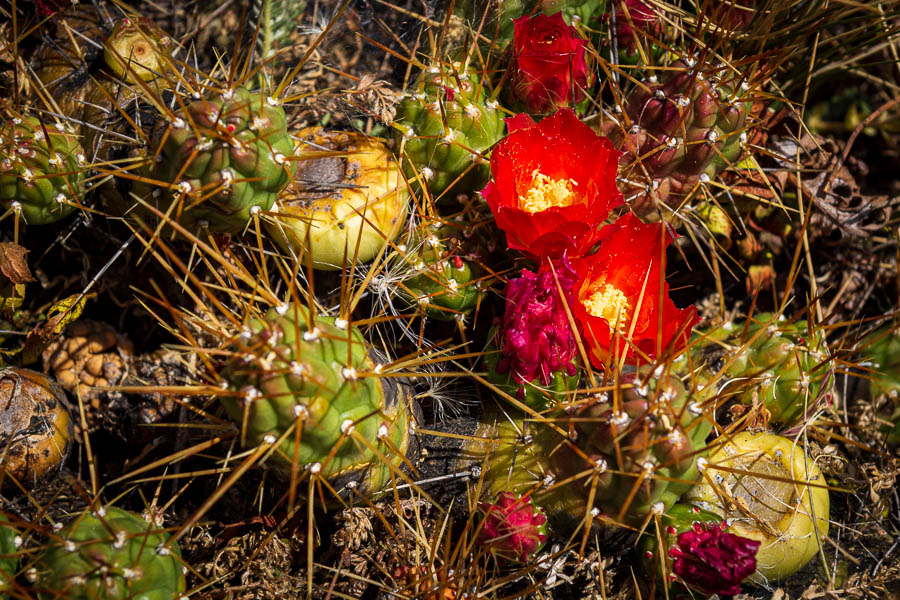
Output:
(546, 192)
(610, 303)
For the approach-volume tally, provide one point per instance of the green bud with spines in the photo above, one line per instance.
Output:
(41, 170)
(444, 127)
(112, 554)
(767, 361)
(438, 281)
(292, 370)
(225, 157)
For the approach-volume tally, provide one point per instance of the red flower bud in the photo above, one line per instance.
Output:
(621, 298)
(712, 561)
(536, 339)
(513, 527)
(549, 70)
(554, 185)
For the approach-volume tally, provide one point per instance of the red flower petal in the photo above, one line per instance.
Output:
(622, 288)
(567, 158)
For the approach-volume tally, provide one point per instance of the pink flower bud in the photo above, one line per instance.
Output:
(536, 339)
(712, 561)
(513, 527)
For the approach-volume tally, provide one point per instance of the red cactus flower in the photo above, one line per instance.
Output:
(514, 527)
(536, 339)
(549, 70)
(621, 298)
(712, 561)
(554, 185)
(634, 15)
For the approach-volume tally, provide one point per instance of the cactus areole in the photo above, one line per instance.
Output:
(314, 387)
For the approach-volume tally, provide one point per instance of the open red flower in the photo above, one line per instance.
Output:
(712, 561)
(549, 70)
(554, 184)
(622, 299)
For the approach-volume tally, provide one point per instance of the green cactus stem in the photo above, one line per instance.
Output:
(223, 159)
(315, 384)
(444, 127)
(42, 168)
(112, 554)
(769, 363)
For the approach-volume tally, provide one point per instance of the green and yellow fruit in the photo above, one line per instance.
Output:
(444, 127)
(312, 386)
(768, 489)
(42, 168)
(346, 203)
(112, 554)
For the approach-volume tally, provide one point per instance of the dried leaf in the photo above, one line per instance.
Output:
(60, 314)
(13, 264)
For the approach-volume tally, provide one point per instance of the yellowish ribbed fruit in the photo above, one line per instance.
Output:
(768, 500)
(347, 201)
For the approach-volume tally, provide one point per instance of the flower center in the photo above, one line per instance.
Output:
(610, 303)
(546, 192)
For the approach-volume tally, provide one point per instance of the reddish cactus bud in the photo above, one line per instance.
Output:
(536, 339)
(712, 561)
(513, 527)
(550, 70)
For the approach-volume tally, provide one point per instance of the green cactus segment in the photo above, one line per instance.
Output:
(446, 287)
(767, 361)
(114, 555)
(681, 131)
(534, 394)
(632, 456)
(41, 170)
(225, 157)
(443, 129)
(9, 559)
(321, 377)
(880, 352)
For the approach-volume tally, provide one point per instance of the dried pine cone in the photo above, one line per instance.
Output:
(89, 356)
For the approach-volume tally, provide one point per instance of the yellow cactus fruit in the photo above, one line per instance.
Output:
(348, 199)
(767, 489)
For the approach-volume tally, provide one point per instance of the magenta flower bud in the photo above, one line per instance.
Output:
(712, 561)
(536, 339)
(513, 527)
(642, 18)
